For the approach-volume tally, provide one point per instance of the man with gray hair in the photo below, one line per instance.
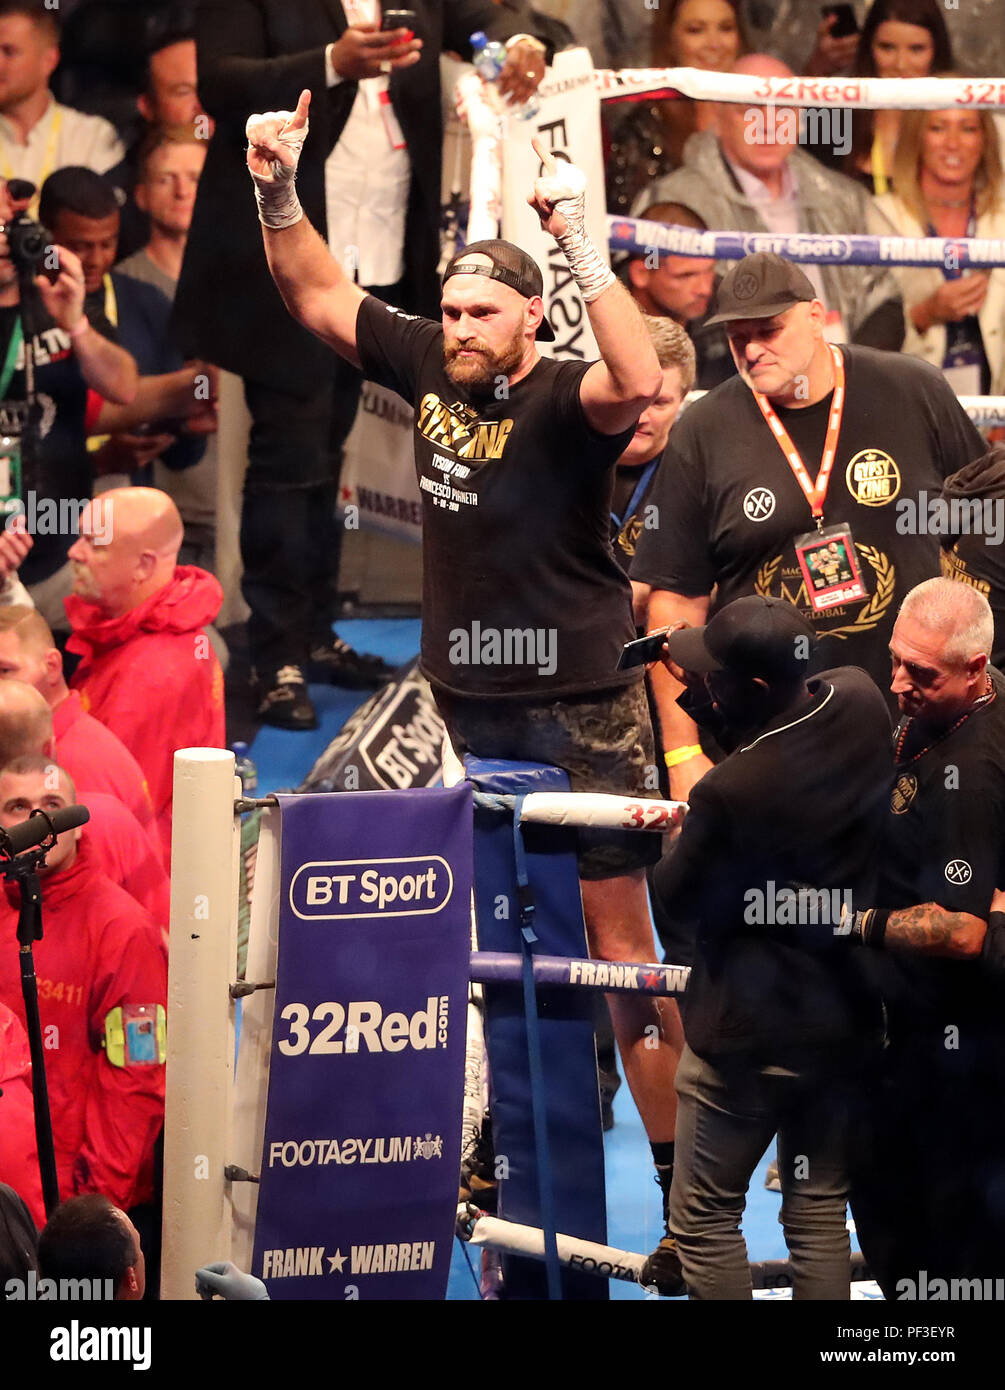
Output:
(749, 175)
(932, 1151)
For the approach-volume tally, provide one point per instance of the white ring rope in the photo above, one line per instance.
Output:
(862, 93)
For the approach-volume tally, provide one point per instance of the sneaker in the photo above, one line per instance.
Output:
(609, 1083)
(284, 702)
(772, 1181)
(337, 662)
(478, 1183)
(662, 1270)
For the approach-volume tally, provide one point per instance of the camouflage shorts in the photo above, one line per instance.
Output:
(603, 740)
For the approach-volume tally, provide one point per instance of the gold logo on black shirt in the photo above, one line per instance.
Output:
(458, 428)
(873, 478)
(903, 793)
(954, 567)
(628, 538)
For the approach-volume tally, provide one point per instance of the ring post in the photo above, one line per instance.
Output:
(205, 844)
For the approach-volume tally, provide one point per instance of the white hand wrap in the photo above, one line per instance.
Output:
(566, 191)
(275, 193)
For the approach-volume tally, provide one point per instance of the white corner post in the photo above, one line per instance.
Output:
(205, 846)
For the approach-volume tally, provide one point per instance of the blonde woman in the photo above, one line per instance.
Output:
(948, 181)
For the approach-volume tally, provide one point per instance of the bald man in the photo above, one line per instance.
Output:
(126, 852)
(148, 671)
(91, 753)
(748, 174)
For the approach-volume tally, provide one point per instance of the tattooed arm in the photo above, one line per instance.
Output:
(931, 930)
(925, 929)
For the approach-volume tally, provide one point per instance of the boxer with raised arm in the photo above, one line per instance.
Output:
(525, 608)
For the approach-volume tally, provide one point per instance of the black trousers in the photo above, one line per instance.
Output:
(290, 540)
(928, 1159)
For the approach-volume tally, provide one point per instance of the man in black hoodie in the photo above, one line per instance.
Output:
(779, 1016)
(970, 519)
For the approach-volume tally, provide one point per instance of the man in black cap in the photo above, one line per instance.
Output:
(809, 446)
(778, 1016)
(525, 608)
(370, 181)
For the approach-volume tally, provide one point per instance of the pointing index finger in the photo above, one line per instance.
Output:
(543, 155)
(300, 114)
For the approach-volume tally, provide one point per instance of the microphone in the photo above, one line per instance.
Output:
(37, 827)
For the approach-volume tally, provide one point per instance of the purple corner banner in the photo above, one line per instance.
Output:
(363, 1128)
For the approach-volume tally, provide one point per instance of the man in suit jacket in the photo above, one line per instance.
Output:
(371, 184)
(779, 1014)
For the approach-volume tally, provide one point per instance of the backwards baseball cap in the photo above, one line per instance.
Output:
(751, 636)
(510, 265)
(760, 286)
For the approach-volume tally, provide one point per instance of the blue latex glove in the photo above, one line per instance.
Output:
(229, 1282)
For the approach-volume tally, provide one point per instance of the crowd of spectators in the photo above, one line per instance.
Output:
(109, 414)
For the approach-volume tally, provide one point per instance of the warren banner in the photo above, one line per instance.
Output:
(358, 1188)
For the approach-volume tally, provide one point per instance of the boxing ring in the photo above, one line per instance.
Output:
(214, 1150)
(215, 1147)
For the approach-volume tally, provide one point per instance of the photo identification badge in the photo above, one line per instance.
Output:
(139, 1022)
(830, 567)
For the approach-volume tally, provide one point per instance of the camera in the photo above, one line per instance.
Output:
(27, 242)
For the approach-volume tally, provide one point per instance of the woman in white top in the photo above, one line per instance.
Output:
(948, 181)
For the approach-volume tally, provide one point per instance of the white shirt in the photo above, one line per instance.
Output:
(62, 136)
(781, 216)
(367, 176)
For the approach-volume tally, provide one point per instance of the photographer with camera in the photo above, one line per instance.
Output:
(174, 407)
(53, 369)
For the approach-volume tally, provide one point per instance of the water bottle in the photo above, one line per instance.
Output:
(10, 477)
(489, 55)
(489, 58)
(245, 769)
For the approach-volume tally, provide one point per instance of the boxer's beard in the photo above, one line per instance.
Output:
(480, 374)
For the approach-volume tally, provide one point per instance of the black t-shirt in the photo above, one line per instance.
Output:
(522, 595)
(628, 520)
(60, 470)
(730, 506)
(944, 842)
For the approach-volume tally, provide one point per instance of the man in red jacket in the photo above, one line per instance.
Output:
(91, 753)
(148, 671)
(102, 983)
(122, 848)
(18, 1154)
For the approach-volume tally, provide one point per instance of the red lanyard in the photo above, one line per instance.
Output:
(814, 493)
